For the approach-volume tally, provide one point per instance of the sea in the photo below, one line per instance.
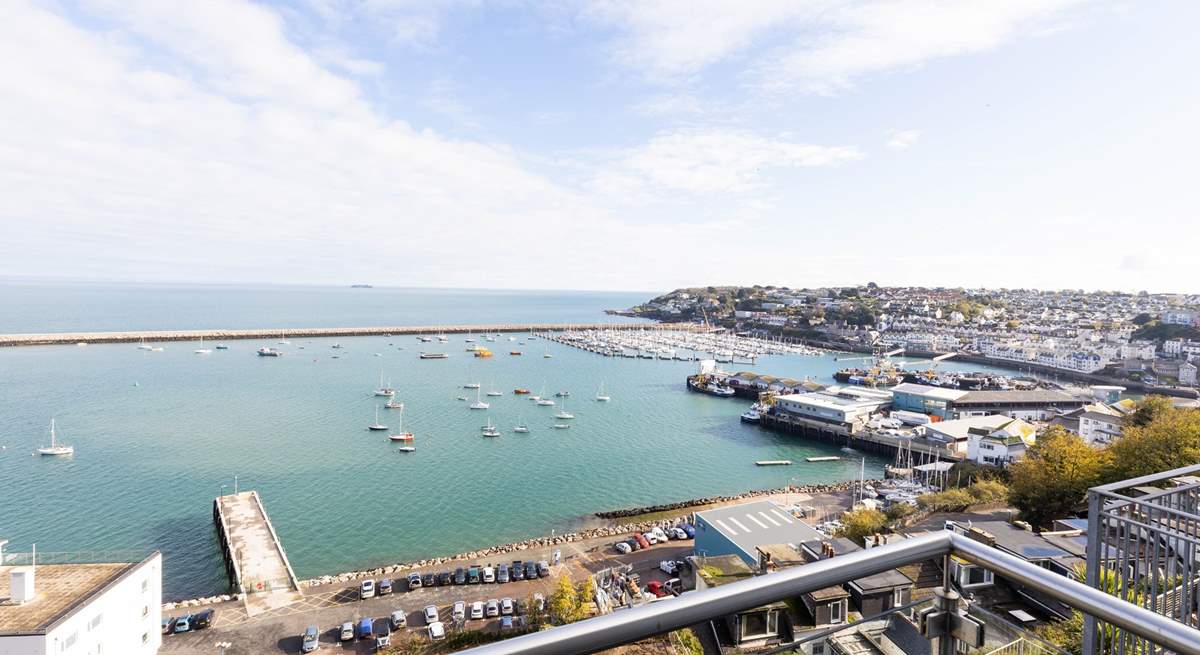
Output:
(158, 435)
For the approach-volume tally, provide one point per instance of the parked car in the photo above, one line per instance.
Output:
(502, 574)
(668, 566)
(622, 548)
(518, 570)
(489, 575)
(347, 633)
(429, 579)
(674, 584)
(414, 581)
(183, 623)
(658, 532)
(167, 622)
(506, 606)
(366, 628)
(311, 639)
(366, 589)
(460, 575)
(506, 623)
(642, 541)
(384, 587)
(492, 608)
(543, 568)
(473, 575)
(539, 602)
(655, 587)
(431, 614)
(437, 631)
(689, 530)
(477, 610)
(531, 570)
(634, 544)
(445, 578)
(650, 537)
(383, 636)
(459, 612)
(399, 619)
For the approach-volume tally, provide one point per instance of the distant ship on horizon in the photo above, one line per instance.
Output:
(361, 286)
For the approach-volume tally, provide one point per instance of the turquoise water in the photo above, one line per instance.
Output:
(158, 435)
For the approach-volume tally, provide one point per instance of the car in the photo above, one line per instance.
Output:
(183, 623)
(366, 589)
(473, 575)
(445, 579)
(502, 574)
(634, 544)
(311, 639)
(655, 587)
(414, 581)
(674, 584)
(459, 611)
(492, 608)
(477, 610)
(460, 575)
(366, 628)
(678, 533)
(437, 631)
(689, 530)
(347, 632)
(531, 570)
(543, 568)
(650, 537)
(384, 587)
(431, 614)
(518, 570)
(506, 623)
(429, 579)
(399, 619)
(539, 603)
(659, 534)
(506, 607)
(668, 566)
(203, 619)
(167, 622)
(642, 541)
(489, 575)
(622, 548)
(383, 636)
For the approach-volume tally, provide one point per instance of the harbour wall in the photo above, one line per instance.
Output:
(63, 338)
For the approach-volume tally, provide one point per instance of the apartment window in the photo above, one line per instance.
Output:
(897, 597)
(837, 613)
(818, 648)
(69, 642)
(145, 585)
(96, 621)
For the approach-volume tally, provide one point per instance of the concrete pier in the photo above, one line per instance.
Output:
(258, 567)
(863, 439)
(53, 338)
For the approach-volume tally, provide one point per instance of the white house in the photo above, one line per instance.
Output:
(1187, 374)
(86, 608)
(1001, 445)
(1099, 428)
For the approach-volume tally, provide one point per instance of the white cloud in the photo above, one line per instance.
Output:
(902, 139)
(713, 161)
(338, 58)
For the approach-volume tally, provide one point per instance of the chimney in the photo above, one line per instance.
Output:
(21, 586)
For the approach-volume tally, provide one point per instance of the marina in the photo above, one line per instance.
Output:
(674, 342)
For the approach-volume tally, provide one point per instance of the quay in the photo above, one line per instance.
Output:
(66, 338)
(257, 566)
(858, 438)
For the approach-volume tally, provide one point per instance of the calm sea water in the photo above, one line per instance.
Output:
(158, 435)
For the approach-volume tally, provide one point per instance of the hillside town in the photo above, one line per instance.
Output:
(1143, 338)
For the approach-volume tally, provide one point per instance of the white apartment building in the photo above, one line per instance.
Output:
(1179, 317)
(89, 608)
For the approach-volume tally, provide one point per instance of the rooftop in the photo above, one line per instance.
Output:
(929, 391)
(60, 589)
(1031, 396)
(759, 523)
(961, 428)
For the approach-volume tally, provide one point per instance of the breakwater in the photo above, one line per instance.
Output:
(61, 338)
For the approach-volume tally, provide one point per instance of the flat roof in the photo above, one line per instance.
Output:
(960, 428)
(929, 391)
(59, 589)
(1026, 543)
(1030, 396)
(758, 523)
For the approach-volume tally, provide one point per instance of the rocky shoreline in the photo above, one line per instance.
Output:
(542, 542)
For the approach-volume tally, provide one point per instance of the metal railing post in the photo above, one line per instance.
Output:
(1096, 544)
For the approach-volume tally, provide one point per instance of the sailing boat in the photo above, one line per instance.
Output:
(470, 385)
(563, 413)
(56, 448)
(400, 434)
(283, 339)
(493, 391)
(543, 400)
(202, 350)
(383, 390)
(521, 427)
(489, 430)
(376, 425)
(547, 354)
(478, 404)
(143, 345)
(600, 395)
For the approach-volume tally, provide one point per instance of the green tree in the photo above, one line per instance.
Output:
(1149, 409)
(861, 523)
(1169, 440)
(1142, 319)
(1055, 475)
(564, 601)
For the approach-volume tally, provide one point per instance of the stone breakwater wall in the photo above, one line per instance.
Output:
(537, 542)
(833, 487)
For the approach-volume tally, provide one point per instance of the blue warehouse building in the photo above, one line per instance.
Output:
(924, 399)
(741, 529)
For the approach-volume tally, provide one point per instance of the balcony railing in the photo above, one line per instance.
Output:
(627, 626)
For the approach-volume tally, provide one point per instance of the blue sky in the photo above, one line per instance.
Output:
(599, 144)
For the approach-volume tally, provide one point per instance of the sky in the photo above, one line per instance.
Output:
(602, 144)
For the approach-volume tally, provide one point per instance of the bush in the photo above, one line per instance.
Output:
(988, 491)
(899, 511)
(688, 641)
(860, 523)
(951, 500)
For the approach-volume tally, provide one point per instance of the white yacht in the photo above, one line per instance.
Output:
(543, 400)
(521, 427)
(493, 391)
(406, 449)
(56, 448)
(563, 413)
(143, 345)
(283, 339)
(384, 390)
(400, 434)
(202, 350)
(377, 426)
(601, 396)
(392, 403)
(490, 430)
(478, 404)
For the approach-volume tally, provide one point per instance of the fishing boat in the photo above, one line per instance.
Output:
(478, 404)
(56, 448)
(267, 351)
(434, 355)
(384, 390)
(377, 426)
(600, 395)
(400, 434)
(751, 416)
(202, 350)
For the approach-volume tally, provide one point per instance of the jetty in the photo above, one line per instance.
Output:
(257, 566)
(72, 338)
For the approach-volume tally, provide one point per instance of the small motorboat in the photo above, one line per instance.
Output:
(406, 449)
(563, 394)
(267, 351)
(434, 355)
(461, 398)
(221, 346)
(561, 426)
(521, 392)
(522, 428)
(514, 352)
